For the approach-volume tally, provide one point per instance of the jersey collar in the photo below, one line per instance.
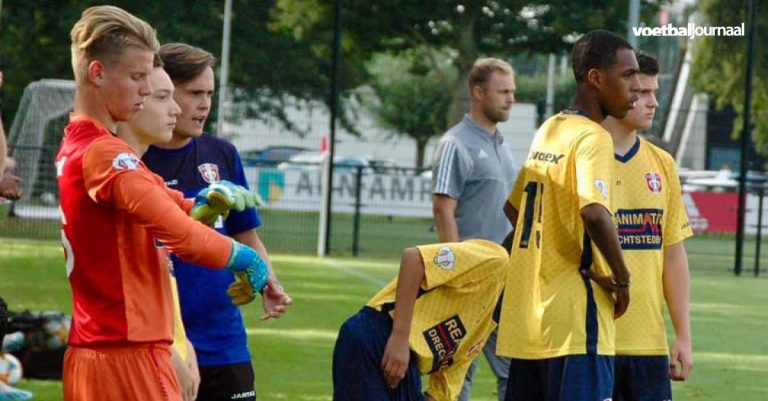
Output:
(631, 153)
(487, 136)
(178, 151)
(571, 112)
(78, 117)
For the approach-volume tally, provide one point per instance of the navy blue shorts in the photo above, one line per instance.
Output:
(227, 382)
(357, 374)
(642, 378)
(566, 378)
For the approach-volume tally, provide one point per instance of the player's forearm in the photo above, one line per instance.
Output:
(676, 282)
(511, 213)
(151, 205)
(251, 238)
(444, 212)
(408, 283)
(602, 231)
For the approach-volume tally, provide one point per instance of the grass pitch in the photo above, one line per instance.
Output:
(292, 355)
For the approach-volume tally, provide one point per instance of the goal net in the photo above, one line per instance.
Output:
(34, 138)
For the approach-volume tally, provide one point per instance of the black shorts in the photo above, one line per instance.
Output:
(227, 383)
(642, 378)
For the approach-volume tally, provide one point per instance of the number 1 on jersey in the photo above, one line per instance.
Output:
(533, 200)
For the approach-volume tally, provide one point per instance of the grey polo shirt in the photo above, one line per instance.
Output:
(475, 167)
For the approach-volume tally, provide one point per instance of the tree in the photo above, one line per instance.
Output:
(470, 27)
(720, 65)
(410, 94)
(268, 68)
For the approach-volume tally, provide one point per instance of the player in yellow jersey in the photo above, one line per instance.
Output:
(432, 319)
(652, 225)
(557, 325)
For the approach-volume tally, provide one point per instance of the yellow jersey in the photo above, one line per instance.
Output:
(453, 313)
(179, 333)
(549, 309)
(650, 215)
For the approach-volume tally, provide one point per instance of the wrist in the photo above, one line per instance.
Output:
(276, 284)
(399, 334)
(623, 283)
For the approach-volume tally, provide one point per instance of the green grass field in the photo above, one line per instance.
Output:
(292, 356)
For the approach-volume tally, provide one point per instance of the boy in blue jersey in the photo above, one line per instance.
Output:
(189, 163)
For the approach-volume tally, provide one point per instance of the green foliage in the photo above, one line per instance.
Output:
(269, 68)
(533, 89)
(410, 93)
(471, 28)
(720, 65)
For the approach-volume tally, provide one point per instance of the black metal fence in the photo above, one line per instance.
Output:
(376, 211)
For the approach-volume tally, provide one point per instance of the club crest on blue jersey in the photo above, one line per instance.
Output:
(653, 180)
(125, 161)
(210, 172)
(639, 228)
(443, 340)
(445, 258)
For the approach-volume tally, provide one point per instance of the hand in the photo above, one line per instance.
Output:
(240, 291)
(10, 187)
(609, 283)
(397, 354)
(245, 259)
(194, 373)
(680, 360)
(219, 198)
(187, 374)
(275, 300)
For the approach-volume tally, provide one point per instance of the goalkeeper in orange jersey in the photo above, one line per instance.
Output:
(432, 319)
(116, 219)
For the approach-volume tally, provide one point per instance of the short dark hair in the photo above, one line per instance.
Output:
(157, 61)
(648, 65)
(184, 62)
(596, 49)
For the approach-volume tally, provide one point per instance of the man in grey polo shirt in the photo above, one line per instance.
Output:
(472, 176)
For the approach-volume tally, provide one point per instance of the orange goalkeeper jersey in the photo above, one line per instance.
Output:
(116, 217)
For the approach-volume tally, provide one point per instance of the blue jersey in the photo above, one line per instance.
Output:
(214, 325)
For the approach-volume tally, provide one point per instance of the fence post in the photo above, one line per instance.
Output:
(759, 228)
(356, 224)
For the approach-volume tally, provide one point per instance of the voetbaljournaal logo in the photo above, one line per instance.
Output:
(690, 31)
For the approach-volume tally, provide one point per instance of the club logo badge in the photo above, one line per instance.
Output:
(125, 161)
(210, 172)
(653, 180)
(445, 258)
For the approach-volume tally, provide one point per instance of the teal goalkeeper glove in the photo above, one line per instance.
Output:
(244, 259)
(219, 198)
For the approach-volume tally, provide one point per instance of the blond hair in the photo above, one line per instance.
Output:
(483, 69)
(104, 33)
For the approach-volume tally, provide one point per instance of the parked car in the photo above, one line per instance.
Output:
(271, 156)
(385, 166)
(311, 160)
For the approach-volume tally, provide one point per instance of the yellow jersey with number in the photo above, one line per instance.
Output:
(453, 314)
(549, 309)
(650, 215)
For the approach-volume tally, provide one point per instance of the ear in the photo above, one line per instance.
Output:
(96, 72)
(477, 92)
(595, 77)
